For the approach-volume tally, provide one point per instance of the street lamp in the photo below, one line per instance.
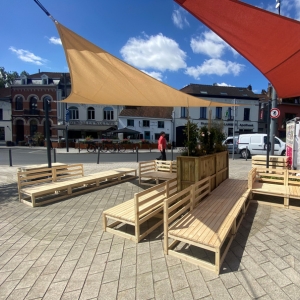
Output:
(278, 3)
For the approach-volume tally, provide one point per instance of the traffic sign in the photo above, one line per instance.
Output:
(274, 113)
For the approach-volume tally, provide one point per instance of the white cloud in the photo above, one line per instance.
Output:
(156, 75)
(179, 19)
(28, 56)
(223, 84)
(210, 44)
(215, 67)
(156, 52)
(54, 40)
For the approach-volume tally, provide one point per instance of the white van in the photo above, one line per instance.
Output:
(229, 144)
(256, 143)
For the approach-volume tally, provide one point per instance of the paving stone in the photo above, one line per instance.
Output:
(144, 263)
(160, 269)
(112, 271)
(197, 284)
(18, 294)
(126, 295)
(218, 290)
(21, 270)
(293, 291)
(91, 286)
(104, 246)
(54, 264)
(292, 275)
(250, 284)
(30, 278)
(255, 270)
(7, 288)
(238, 292)
(45, 257)
(99, 263)
(127, 278)
(65, 271)
(55, 290)
(177, 278)
(183, 294)
(163, 289)
(116, 252)
(40, 287)
(275, 259)
(144, 286)
(273, 290)
(257, 255)
(108, 291)
(74, 295)
(77, 279)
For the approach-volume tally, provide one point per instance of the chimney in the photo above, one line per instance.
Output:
(39, 71)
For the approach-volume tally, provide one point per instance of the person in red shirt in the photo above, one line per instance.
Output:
(162, 145)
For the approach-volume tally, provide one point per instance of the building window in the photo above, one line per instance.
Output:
(48, 100)
(33, 103)
(147, 135)
(2, 134)
(184, 112)
(202, 112)
(160, 124)
(218, 112)
(228, 114)
(130, 122)
(91, 113)
(146, 123)
(246, 114)
(19, 103)
(1, 114)
(74, 114)
(33, 127)
(108, 113)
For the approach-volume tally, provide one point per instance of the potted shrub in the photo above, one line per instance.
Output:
(38, 139)
(204, 155)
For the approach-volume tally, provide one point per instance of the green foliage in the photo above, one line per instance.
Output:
(204, 140)
(7, 78)
(38, 138)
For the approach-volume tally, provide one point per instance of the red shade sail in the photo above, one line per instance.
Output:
(269, 41)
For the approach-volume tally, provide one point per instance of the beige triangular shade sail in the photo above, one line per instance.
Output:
(100, 78)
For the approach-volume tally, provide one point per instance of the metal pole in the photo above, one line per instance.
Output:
(172, 153)
(47, 131)
(137, 154)
(273, 121)
(54, 155)
(98, 158)
(65, 92)
(233, 145)
(268, 134)
(10, 157)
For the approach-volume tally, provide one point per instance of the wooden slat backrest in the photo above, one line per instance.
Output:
(172, 187)
(163, 166)
(202, 188)
(293, 177)
(174, 166)
(67, 172)
(269, 175)
(34, 177)
(146, 166)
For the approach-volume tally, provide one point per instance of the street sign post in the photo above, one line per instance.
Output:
(274, 113)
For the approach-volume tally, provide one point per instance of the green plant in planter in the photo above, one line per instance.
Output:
(191, 131)
(38, 138)
(126, 141)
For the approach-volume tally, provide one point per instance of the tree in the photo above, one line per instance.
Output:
(7, 78)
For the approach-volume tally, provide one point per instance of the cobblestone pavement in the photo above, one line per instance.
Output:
(59, 251)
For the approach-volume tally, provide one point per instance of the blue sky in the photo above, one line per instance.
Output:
(155, 36)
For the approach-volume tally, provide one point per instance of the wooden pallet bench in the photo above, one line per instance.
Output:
(210, 226)
(43, 186)
(156, 170)
(281, 183)
(275, 162)
(144, 206)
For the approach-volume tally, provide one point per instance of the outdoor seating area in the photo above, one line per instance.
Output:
(145, 205)
(279, 183)
(152, 171)
(210, 226)
(46, 185)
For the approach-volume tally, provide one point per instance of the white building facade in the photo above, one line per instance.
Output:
(5, 121)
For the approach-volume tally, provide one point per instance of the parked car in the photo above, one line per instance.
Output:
(256, 144)
(230, 145)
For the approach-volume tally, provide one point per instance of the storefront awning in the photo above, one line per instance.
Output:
(83, 127)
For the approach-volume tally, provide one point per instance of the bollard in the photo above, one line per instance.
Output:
(54, 155)
(98, 158)
(150, 149)
(246, 153)
(172, 153)
(137, 154)
(10, 158)
(78, 147)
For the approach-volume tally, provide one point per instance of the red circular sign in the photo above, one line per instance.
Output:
(274, 113)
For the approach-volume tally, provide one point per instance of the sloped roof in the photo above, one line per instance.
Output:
(219, 91)
(147, 112)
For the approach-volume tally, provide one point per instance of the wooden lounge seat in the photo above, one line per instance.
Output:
(47, 185)
(156, 170)
(210, 226)
(144, 206)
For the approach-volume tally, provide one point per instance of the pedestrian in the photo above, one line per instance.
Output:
(30, 141)
(162, 145)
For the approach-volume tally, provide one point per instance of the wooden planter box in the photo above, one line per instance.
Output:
(191, 169)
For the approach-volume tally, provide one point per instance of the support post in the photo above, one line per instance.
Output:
(98, 158)
(268, 133)
(137, 154)
(46, 105)
(54, 155)
(10, 157)
(273, 121)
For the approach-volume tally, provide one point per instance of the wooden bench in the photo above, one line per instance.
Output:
(211, 225)
(39, 187)
(281, 183)
(157, 170)
(144, 206)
